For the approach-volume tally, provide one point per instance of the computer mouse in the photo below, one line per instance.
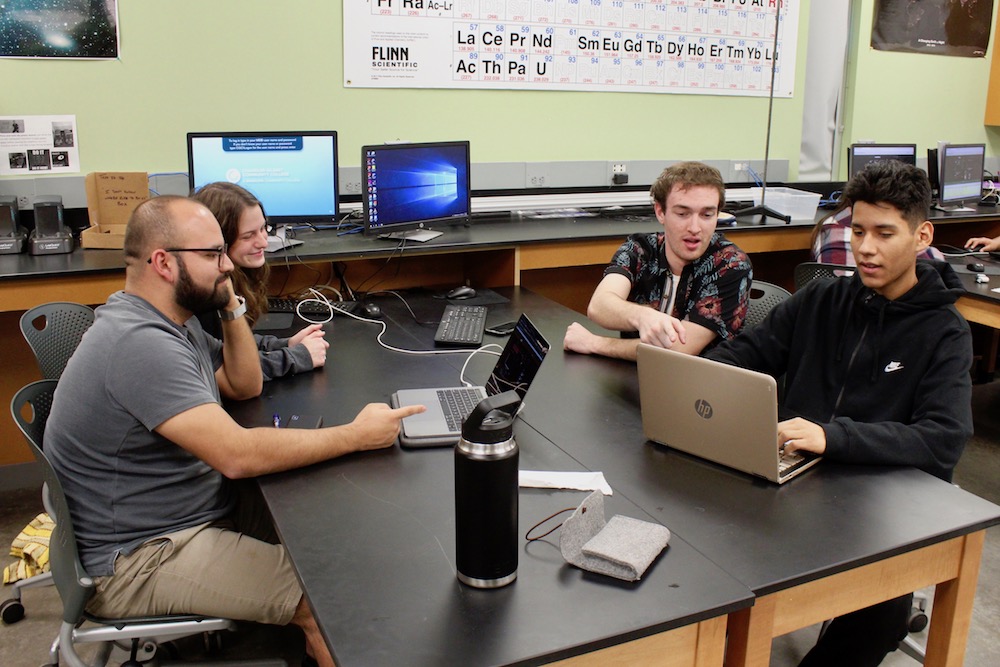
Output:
(975, 267)
(371, 310)
(461, 292)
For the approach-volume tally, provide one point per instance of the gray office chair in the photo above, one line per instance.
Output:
(30, 409)
(763, 297)
(12, 609)
(53, 331)
(62, 326)
(809, 271)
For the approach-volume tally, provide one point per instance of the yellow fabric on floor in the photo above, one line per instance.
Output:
(31, 547)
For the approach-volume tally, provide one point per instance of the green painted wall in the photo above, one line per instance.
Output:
(190, 65)
(914, 97)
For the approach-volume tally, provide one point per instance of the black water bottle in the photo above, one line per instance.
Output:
(486, 494)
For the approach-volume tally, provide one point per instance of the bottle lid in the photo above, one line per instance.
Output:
(492, 420)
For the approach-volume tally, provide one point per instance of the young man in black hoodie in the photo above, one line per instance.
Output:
(877, 365)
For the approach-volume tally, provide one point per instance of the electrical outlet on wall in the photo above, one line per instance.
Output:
(23, 202)
(619, 173)
(536, 174)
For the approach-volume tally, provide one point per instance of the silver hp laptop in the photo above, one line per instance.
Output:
(719, 412)
(447, 407)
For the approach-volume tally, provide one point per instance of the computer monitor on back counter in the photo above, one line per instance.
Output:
(409, 188)
(293, 174)
(960, 176)
(859, 155)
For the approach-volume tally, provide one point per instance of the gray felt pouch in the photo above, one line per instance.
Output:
(622, 548)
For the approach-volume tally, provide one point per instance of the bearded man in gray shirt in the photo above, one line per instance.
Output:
(147, 455)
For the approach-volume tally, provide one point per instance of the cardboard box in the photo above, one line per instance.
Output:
(111, 198)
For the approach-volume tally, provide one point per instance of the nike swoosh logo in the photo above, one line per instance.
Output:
(893, 366)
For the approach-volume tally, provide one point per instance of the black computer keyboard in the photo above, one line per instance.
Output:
(280, 305)
(461, 325)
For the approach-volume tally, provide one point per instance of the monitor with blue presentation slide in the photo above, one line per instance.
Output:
(409, 188)
(293, 174)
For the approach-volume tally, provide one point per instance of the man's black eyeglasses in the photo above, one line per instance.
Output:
(219, 252)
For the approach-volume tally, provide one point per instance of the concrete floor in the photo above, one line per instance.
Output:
(25, 644)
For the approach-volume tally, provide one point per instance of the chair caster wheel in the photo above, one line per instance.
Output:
(917, 622)
(11, 611)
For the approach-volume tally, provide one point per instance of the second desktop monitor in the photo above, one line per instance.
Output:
(415, 186)
(860, 155)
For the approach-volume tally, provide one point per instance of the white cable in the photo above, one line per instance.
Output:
(484, 350)
(966, 253)
(392, 348)
(319, 298)
(320, 288)
(400, 297)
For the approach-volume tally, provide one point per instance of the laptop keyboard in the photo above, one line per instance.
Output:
(457, 405)
(461, 325)
(789, 462)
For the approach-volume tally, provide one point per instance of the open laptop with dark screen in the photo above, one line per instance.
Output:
(447, 407)
(719, 412)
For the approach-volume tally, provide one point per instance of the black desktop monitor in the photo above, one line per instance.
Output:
(960, 176)
(293, 174)
(860, 155)
(411, 187)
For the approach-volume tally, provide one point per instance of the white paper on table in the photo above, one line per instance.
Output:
(582, 481)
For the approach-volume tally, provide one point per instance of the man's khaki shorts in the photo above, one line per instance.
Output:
(209, 569)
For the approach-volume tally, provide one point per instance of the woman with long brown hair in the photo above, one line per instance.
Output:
(241, 217)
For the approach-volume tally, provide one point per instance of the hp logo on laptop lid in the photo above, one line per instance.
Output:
(703, 408)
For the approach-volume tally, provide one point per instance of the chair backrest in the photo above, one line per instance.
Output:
(74, 585)
(763, 297)
(63, 325)
(808, 271)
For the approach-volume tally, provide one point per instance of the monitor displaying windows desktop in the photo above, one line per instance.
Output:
(293, 174)
(960, 176)
(860, 155)
(412, 187)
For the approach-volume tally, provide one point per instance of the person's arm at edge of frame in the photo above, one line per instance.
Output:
(985, 244)
(208, 432)
(941, 422)
(240, 376)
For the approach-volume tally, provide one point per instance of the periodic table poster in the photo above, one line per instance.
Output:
(715, 47)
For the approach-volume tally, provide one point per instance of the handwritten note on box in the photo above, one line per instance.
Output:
(113, 195)
(111, 198)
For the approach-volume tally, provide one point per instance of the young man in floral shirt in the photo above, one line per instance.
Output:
(684, 288)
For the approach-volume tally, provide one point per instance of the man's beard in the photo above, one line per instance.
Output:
(195, 299)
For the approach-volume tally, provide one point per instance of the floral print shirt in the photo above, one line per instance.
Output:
(713, 291)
